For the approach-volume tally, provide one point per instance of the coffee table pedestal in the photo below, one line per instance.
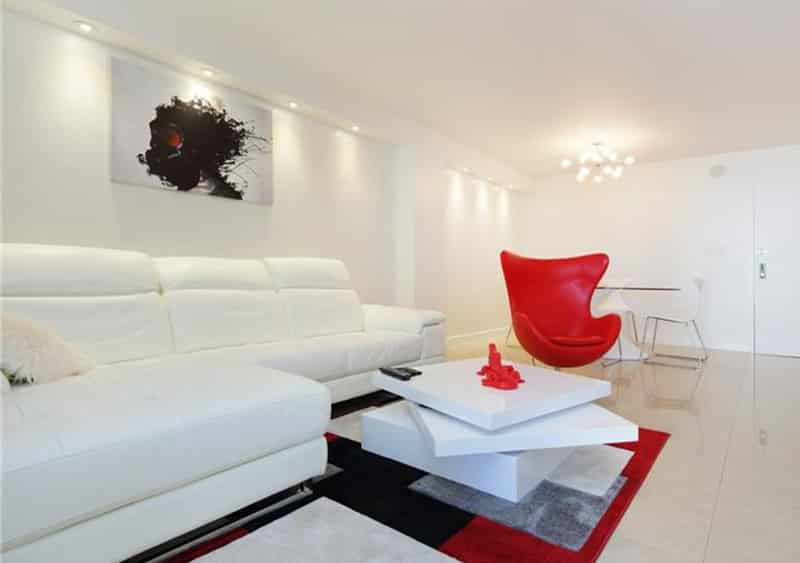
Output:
(392, 433)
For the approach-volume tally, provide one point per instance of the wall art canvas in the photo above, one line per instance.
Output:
(177, 133)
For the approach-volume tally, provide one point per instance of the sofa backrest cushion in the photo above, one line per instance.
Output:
(104, 302)
(217, 302)
(318, 295)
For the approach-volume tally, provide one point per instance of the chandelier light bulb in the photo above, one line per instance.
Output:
(85, 27)
(598, 161)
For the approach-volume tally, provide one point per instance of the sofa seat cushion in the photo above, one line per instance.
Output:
(329, 357)
(82, 446)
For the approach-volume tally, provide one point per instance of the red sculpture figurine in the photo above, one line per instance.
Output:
(496, 375)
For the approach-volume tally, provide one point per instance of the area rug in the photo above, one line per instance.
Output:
(379, 489)
(325, 532)
(554, 513)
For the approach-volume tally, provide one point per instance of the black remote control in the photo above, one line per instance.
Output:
(411, 371)
(396, 373)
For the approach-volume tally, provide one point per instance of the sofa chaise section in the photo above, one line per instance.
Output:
(80, 448)
(152, 443)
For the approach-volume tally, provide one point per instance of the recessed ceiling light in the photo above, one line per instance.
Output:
(85, 27)
(293, 105)
(629, 160)
(566, 163)
(208, 73)
(355, 128)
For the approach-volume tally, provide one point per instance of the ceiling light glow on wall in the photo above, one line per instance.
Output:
(601, 161)
(293, 105)
(355, 128)
(85, 27)
(208, 73)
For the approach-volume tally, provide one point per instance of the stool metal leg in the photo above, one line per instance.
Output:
(700, 360)
(508, 337)
(609, 363)
(635, 330)
(644, 338)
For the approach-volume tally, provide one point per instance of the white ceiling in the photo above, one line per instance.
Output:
(526, 81)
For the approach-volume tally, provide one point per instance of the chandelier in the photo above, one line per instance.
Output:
(599, 161)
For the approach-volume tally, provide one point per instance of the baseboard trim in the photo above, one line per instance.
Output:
(467, 335)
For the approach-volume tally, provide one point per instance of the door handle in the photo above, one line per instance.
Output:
(762, 271)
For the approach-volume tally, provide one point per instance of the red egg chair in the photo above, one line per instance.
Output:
(550, 308)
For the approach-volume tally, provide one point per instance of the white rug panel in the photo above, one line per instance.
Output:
(325, 532)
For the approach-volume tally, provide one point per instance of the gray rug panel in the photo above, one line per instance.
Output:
(554, 513)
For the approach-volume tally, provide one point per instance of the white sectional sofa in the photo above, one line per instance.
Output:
(213, 390)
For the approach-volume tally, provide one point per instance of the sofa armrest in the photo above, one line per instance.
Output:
(400, 319)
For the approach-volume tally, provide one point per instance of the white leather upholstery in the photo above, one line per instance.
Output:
(318, 312)
(309, 273)
(105, 302)
(217, 302)
(381, 317)
(327, 358)
(39, 270)
(141, 525)
(107, 329)
(371, 350)
(433, 341)
(307, 357)
(203, 272)
(140, 429)
(318, 295)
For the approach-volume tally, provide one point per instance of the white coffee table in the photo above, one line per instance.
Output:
(501, 442)
(455, 389)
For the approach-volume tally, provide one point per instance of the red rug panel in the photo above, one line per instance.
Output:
(485, 541)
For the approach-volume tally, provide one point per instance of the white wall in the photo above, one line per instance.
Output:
(331, 195)
(663, 221)
(411, 231)
(461, 226)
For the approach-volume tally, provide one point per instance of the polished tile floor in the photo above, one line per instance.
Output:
(726, 488)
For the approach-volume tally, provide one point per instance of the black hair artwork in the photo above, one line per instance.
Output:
(194, 142)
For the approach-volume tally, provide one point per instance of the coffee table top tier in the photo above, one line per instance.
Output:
(455, 389)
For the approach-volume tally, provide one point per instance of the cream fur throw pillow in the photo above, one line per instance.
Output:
(34, 353)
